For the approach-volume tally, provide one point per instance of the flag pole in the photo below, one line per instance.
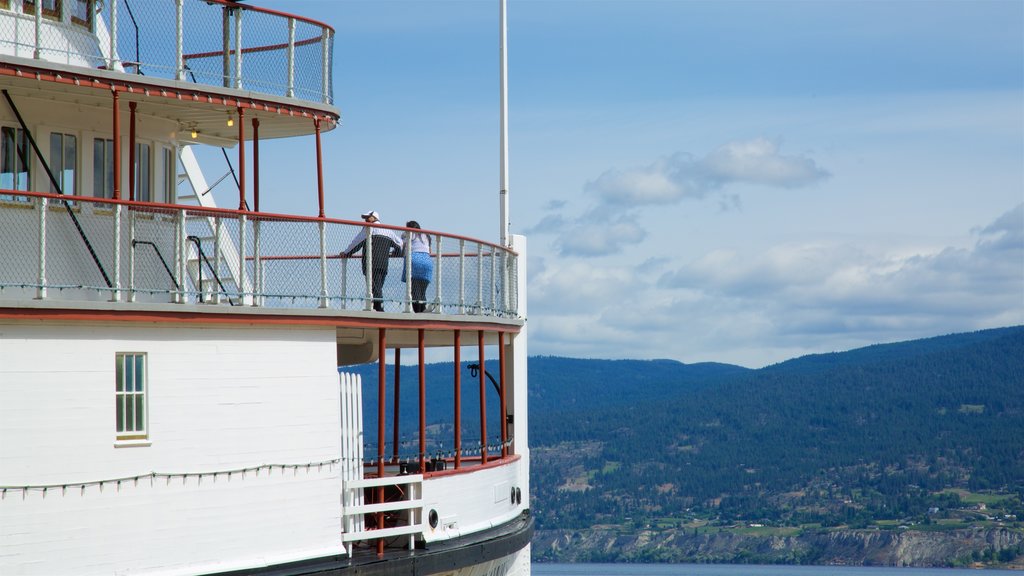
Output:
(504, 127)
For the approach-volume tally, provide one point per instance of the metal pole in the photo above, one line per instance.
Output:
(41, 290)
(423, 399)
(291, 58)
(504, 126)
(117, 144)
(320, 168)
(255, 163)
(458, 400)
(241, 158)
(131, 150)
(381, 379)
(483, 398)
(113, 62)
(238, 48)
(398, 391)
(501, 394)
(179, 59)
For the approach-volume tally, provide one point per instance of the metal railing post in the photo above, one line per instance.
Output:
(462, 276)
(41, 289)
(291, 58)
(325, 51)
(257, 296)
(344, 280)
(179, 59)
(37, 51)
(368, 269)
(242, 292)
(238, 48)
(437, 275)
(131, 256)
(112, 62)
(323, 264)
(407, 266)
(226, 60)
(479, 278)
(180, 258)
(216, 258)
(493, 287)
(115, 295)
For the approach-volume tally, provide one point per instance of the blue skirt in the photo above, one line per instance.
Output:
(422, 267)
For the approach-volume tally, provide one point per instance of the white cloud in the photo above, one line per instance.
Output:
(669, 180)
(787, 300)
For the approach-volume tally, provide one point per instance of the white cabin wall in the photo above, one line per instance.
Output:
(219, 399)
(520, 372)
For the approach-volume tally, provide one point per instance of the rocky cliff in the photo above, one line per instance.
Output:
(839, 547)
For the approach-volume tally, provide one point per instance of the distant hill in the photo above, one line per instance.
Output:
(853, 437)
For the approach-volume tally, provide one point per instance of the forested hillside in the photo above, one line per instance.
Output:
(881, 433)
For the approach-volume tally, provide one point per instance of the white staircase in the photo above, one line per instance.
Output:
(218, 246)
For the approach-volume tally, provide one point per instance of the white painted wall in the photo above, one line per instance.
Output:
(219, 399)
(472, 501)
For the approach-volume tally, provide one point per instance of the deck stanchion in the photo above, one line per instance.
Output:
(218, 289)
(407, 266)
(290, 55)
(226, 32)
(437, 275)
(368, 268)
(116, 153)
(483, 398)
(242, 292)
(131, 256)
(325, 78)
(238, 49)
(112, 62)
(115, 295)
(180, 256)
(323, 264)
(37, 52)
(381, 378)
(398, 395)
(479, 278)
(420, 344)
(501, 395)
(255, 164)
(41, 289)
(132, 105)
(462, 276)
(458, 399)
(179, 59)
(257, 263)
(492, 287)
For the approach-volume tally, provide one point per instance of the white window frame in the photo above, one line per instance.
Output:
(59, 173)
(131, 396)
(144, 159)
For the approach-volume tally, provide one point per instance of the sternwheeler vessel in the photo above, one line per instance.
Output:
(184, 385)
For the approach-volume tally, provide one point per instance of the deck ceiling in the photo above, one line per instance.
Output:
(189, 105)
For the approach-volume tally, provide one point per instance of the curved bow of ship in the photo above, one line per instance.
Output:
(188, 388)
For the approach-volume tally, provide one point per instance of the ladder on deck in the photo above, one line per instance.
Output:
(218, 249)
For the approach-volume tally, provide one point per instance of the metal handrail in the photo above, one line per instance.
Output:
(162, 261)
(202, 258)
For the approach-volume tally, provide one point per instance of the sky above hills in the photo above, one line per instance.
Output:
(732, 181)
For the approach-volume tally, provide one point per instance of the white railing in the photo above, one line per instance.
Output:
(210, 42)
(403, 516)
(81, 248)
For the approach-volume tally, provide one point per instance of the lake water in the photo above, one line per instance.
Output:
(746, 570)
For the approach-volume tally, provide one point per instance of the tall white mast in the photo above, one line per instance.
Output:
(504, 128)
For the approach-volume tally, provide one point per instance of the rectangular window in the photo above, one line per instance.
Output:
(170, 176)
(81, 12)
(130, 396)
(143, 186)
(51, 8)
(103, 168)
(64, 161)
(14, 159)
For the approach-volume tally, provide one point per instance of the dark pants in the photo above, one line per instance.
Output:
(378, 288)
(419, 295)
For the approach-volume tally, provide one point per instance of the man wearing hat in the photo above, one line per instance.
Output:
(384, 243)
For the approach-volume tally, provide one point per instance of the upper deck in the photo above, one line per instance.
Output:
(199, 56)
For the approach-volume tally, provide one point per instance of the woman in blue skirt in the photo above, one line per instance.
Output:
(422, 266)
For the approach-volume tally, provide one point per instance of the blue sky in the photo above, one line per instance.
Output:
(729, 181)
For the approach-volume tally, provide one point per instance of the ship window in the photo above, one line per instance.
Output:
(63, 161)
(51, 8)
(103, 168)
(14, 159)
(143, 170)
(170, 176)
(81, 12)
(130, 396)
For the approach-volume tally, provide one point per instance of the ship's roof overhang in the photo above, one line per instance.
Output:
(192, 106)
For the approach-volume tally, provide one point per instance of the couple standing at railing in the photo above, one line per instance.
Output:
(385, 243)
